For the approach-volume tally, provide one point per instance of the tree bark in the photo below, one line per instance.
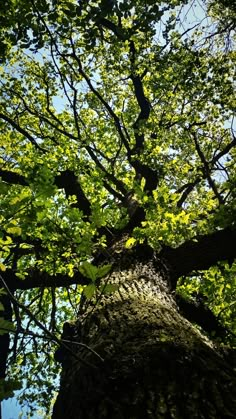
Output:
(156, 364)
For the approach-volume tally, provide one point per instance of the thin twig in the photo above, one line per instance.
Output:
(46, 331)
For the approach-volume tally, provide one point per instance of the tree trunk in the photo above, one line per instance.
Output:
(156, 364)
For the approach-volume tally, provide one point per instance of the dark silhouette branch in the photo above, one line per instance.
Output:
(22, 131)
(66, 180)
(101, 99)
(198, 312)
(42, 117)
(143, 102)
(117, 30)
(13, 178)
(41, 326)
(187, 189)
(38, 279)
(207, 170)
(69, 181)
(201, 254)
(224, 151)
(109, 176)
(191, 256)
(5, 338)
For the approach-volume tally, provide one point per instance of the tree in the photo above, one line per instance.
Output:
(118, 208)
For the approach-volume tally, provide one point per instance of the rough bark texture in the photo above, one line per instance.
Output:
(156, 363)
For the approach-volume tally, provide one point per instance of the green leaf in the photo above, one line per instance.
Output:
(14, 230)
(2, 267)
(89, 271)
(103, 271)
(89, 291)
(109, 288)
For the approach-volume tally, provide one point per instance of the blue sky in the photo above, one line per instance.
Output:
(12, 410)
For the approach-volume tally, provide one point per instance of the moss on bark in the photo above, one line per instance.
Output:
(156, 364)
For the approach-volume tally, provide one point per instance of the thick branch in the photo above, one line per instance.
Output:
(151, 176)
(37, 279)
(200, 254)
(142, 170)
(13, 178)
(198, 312)
(143, 102)
(66, 179)
(117, 30)
(186, 189)
(70, 183)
